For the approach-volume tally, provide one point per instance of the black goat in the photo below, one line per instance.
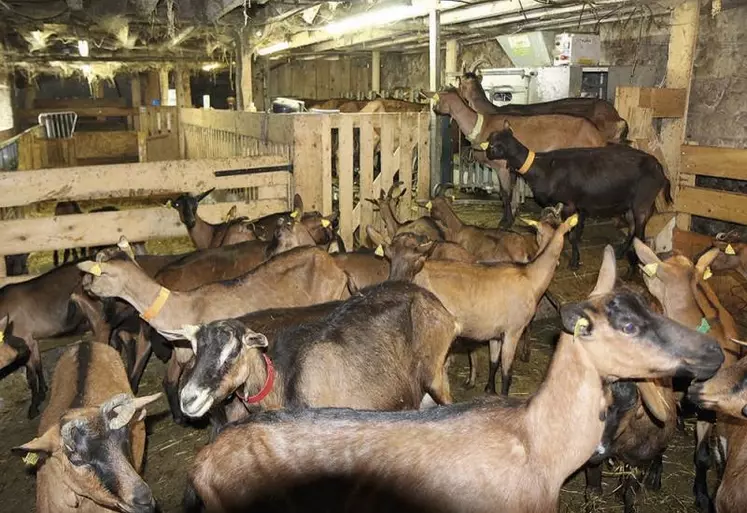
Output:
(608, 181)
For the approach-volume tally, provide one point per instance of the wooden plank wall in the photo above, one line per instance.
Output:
(727, 163)
(225, 133)
(161, 126)
(403, 147)
(126, 181)
(321, 79)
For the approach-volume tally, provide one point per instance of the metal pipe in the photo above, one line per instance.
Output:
(434, 68)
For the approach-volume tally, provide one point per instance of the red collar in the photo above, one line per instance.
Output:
(266, 388)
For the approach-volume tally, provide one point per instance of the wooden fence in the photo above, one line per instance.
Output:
(127, 181)
(730, 163)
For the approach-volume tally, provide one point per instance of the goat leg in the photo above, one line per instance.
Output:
(495, 355)
(653, 474)
(171, 389)
(593, 475)
(56, 258)
(508, 352)
(629, 490)
(702, 463)
(525, 345)
(35, 378)
(505, 181)
(575, 238)
(143, 350)
(472, 378)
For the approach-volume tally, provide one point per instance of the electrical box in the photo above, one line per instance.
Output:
(577, 49)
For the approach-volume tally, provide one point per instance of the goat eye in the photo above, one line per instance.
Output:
(630, 329)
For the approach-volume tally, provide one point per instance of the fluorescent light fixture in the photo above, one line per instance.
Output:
(375, 18)
(83, 47)
(277, 47)
(211, 66)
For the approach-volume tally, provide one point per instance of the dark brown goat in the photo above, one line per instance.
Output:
(91, 442)
(600, 112)
(382, 349)
(501, 457)
(614, 180)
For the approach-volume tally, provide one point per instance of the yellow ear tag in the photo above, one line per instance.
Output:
(168, 204)
(729, 250)
(530, 222)
(573, 220)
(95, 270)
(325, 222)
(581, 323)
(379, 251)
(484, 145)
(650, 269)
(2, 338)
(31, 459)
(453, 198)
(429, 205)
(294, 214)
(707, 274)
(436, 97)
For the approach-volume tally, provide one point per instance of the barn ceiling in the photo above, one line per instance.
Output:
(196, 31)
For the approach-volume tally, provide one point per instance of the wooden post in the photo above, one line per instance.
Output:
(682, 41)
(137, 99)
(307, 162)
(152, 88)
(163, 79)
(450, 66)
(246, 95)
(183, 88)
(376, 71)
(434, 65)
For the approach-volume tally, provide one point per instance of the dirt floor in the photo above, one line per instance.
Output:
(171, 448)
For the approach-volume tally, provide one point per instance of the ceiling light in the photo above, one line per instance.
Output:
(83, 47)
(374, 18)
(211, 66)
(277, 47)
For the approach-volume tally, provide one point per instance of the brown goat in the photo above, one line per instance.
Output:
(513, 459)
(91, 441)
(733, 256)
(422, 226)
(487, 244)
(687, 298)
(600, 112)
(726, 394)
(489, 301)
(394, 329)
(538, 133)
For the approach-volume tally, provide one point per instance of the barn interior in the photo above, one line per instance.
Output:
(109, 111)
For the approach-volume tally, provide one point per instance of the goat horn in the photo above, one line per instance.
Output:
(204, 194)
(124, 245)
(119, 411)
(476, 64)
(740, 342)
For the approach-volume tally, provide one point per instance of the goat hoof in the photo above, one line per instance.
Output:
(490, 391)
(469, 384)
(704, 504)
(574, 266)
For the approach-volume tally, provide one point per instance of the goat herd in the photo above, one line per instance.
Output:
(319, 369)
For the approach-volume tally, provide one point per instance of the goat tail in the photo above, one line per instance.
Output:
(191, 503)
(622, 130)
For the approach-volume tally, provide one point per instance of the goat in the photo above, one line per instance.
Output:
(299, 277)
(733, 256)
(382, 349)
(514, 459)
(725, 394)
(600, 112)
(508, 294)
(91, 438)
(17, 265)
(64, 208)
(484, 243)
(686, 298)
(363, 267)
(613, 180)
(421, 226)
(540, 133)
(39, 308)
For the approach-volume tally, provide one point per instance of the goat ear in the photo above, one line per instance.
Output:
(332, 217)
(607, 273)
(298, 203)
(45, 444)
(95, 268)
(253, 339)
(706, 260)
(574, 319)
(645, 254)
(653, 398)
(4, 322)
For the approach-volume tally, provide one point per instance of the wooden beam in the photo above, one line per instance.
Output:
(451, 63)
(136, 180)
(102, 228)
(357, 38)
(246, 94)
(725, 206)
(152, 88)
(136, 97)
(163, 81)
(183, 87)
(718, 162)
(683, 39)
(376, 71)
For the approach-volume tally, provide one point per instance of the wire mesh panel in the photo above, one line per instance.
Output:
(58, 125)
